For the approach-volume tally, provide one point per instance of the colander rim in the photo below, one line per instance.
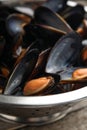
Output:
(44, 100)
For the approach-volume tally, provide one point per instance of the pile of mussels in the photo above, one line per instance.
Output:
(44, 54)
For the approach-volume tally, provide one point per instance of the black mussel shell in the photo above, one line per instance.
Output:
(41, 63)
(55, 5)
(46, 16)
(38, 44)
(64, 53)
(22, 72)
(74, 16)
(16, 22)
(16, 48)
(45, 31)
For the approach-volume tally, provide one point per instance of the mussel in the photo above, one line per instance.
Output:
(22, 72)
(39, 85)
(80, 73)
(64, 53)
(83, 29)
(41, 63)
(16, 22)
(74, 16)
(46, 16)
(55, 5)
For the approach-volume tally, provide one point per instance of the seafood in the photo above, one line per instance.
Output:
(43, 54)
(55, 5)
(41, 63)
(80, 73)
(16, 22)
(74, 16)
(64, 53)
(38, 85)
(83, 30)
(21, 72)
(46, 16)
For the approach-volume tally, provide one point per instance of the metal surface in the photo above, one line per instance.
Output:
(40, 110)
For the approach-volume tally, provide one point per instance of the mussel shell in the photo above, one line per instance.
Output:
(41, 63)
(16, 22)
(64, 53)
(38, 44)
(45, 31)
(16, 48)
(46, 16)
(21, 72)
(74, 16)
(55, 5)
(73, 75)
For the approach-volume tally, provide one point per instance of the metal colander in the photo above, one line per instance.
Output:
(38, 110)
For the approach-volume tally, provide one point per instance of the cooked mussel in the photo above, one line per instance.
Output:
(55, 5)
(64, 53)
(16, 22)
(38, 85)
(80, 73)
(46, 16)
(73, 75)
(74, 16)
(41, 63)
(22, 72)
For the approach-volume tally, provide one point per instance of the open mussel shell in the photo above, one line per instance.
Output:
(38, 44)
(21, 72)
(64, 53)
(16, 47)
(74, 16)
(55, 5)
(38, 86)
(73, 75)
(45, 31)
(16, 22)
(41, 63)
(46, 16)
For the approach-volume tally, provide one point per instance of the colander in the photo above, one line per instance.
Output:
(39, 110)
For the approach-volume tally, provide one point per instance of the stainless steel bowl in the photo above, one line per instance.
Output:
(39, 110)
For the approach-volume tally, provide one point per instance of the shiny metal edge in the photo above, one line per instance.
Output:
(44, 100)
